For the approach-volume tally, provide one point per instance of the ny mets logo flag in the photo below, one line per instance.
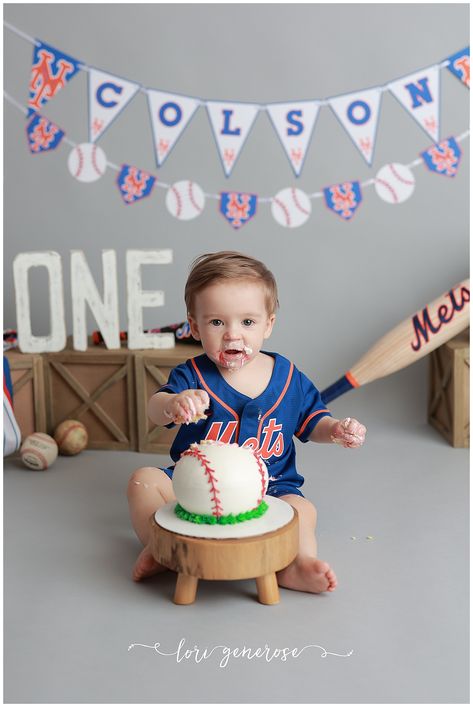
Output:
(443, 158)
(343, 199)
(51, 70)
(460, 65)
(134, 183)
(42, 134)
(237, 207)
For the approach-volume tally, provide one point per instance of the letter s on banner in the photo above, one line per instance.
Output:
(56, 340)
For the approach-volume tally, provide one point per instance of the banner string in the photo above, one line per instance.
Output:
(264, 199)
(202, 101)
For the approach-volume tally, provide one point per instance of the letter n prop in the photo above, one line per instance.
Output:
(84, 291)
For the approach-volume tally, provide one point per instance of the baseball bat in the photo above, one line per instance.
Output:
(409, 341)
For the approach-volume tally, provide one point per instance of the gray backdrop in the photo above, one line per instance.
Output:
(342, 285)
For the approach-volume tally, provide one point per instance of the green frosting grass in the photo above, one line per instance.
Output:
(229, 519)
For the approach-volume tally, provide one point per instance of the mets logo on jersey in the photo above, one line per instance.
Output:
(270, 445)
(42, 134)
(237, 207)
(343, 199)
(134, 183)
(443, 158)
(50, 71)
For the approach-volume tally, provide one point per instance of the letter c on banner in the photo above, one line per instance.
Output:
(292, 120)
(102, 88)
(166, 121)
(364, 107)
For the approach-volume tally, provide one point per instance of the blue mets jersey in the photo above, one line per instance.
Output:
(290, 406)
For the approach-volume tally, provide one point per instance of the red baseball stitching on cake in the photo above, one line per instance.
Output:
(81, 161)
(296, 202)
(217, 509)
(283, 207)
(179, 201)
(257, 456)
(94, 162)
(398, 176)
(388, 187)
(191, 198)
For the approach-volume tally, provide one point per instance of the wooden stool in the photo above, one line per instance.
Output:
(258, 556)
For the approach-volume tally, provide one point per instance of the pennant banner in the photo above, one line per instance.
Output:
(108, 96)
(294, 124)
(51, 70)
(459, 65)
(134, 183)
(419, 93)
(343, 199)
(443, 158)
(42, 134)
(238, 208)
(359, 113)
(231, 123)
(170, 113)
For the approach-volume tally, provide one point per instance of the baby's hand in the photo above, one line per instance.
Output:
(349, 433)
(188, 406)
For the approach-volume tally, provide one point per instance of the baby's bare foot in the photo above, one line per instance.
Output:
(146, 565)
(306, 574)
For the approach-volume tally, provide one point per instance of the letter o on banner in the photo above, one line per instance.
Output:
(168, 108)
(56, 339)
(358, 106)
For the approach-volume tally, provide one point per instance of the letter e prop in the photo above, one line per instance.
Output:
(137, 299)
(56, 340)
(84, 291)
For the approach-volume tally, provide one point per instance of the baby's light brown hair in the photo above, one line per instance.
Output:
(210, 268)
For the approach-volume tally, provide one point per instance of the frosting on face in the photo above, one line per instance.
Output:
(233, 356)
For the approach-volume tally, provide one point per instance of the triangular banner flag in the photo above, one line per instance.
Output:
(459, 65)
(294, 124)
(237, 207)
(358, 113)
(134, 183)
(170, 113)
(419, 93)
(343, 199)
(443, 158)
(42, 134)
(50, 71)
(231, 123)
(108, 96)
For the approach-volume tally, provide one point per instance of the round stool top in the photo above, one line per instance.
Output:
(278, 514)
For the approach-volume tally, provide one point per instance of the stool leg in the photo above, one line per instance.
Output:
(186, 589)
(268, 590)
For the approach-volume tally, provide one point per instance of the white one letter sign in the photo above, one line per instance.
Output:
(56, 340)
(138, 299)
(84, 291)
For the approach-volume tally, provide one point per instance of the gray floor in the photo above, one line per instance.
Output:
(398, 620)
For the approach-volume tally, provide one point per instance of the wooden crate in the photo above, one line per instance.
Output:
(29, 401)
(449, 404)
(152, 370)
(97, 387)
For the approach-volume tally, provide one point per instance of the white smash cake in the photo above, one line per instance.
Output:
(220, 483)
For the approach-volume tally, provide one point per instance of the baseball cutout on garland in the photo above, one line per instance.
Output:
(394, 183)
(71, 437)
(87, 162)
(291, 207)
(185, 200)
(38, 451)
